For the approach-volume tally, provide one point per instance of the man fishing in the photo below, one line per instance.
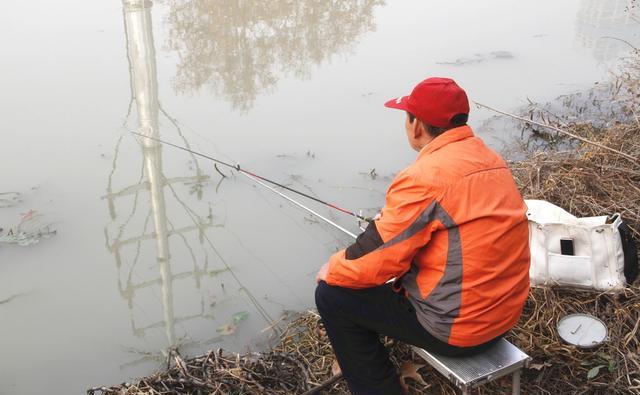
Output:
(452, 234)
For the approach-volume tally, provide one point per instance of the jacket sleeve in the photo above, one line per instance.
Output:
(387, 247)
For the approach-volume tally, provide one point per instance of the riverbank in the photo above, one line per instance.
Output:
(580, 176)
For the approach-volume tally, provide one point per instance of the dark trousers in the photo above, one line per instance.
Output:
(354, 319)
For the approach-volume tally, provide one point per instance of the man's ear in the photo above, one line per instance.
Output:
(419, 130)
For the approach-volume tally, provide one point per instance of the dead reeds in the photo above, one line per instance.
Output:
(219, 372)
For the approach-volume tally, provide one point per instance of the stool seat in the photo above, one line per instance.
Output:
(501, 359)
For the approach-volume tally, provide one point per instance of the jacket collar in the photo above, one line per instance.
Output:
(445, 138)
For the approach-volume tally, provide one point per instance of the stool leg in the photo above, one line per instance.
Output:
(516, 382)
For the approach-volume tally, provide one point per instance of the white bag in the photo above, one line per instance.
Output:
(575, 252)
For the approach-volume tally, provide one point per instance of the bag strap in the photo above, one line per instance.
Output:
(630, 250)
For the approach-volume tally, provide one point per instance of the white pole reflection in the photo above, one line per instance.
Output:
(144, 89)
(142, 58)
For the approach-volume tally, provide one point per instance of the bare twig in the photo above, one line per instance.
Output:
(324, 384)
(565, 132)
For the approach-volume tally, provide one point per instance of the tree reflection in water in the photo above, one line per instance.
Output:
(241, 48)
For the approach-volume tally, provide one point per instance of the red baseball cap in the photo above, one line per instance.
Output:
(434, 101)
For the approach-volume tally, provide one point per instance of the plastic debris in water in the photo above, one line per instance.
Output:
(240, 316)
(29, 231)
(28, 215)
(26, 238)
(227, 329)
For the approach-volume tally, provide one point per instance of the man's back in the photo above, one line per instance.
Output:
(471, 279)
(454, 230)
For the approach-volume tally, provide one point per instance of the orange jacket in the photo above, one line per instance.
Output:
(454, 233)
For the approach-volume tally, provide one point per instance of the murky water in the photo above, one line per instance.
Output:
(154, 248)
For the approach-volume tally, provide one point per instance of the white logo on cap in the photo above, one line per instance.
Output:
(398, 100)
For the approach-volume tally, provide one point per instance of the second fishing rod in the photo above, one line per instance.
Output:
(259, 177)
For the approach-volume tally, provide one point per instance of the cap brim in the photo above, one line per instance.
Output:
(399, 103)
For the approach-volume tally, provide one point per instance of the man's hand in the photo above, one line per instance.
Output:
(322, 273)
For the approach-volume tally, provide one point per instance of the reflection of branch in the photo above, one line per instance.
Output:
(187, 245)
(112, 210)
(162, 355)
(140, 331)
(111, 198)
(151, 236)
(218, 185)
(242, 49)
(129, 108)
(129, 292)
(186, 142)
(132, 95)
(134, 207)
(145, 356)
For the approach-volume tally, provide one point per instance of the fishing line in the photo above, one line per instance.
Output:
(300, 205)
(258, 177)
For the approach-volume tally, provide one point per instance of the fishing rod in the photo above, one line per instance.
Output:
(258, 178)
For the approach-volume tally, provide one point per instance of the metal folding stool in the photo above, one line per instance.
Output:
(499, 360)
